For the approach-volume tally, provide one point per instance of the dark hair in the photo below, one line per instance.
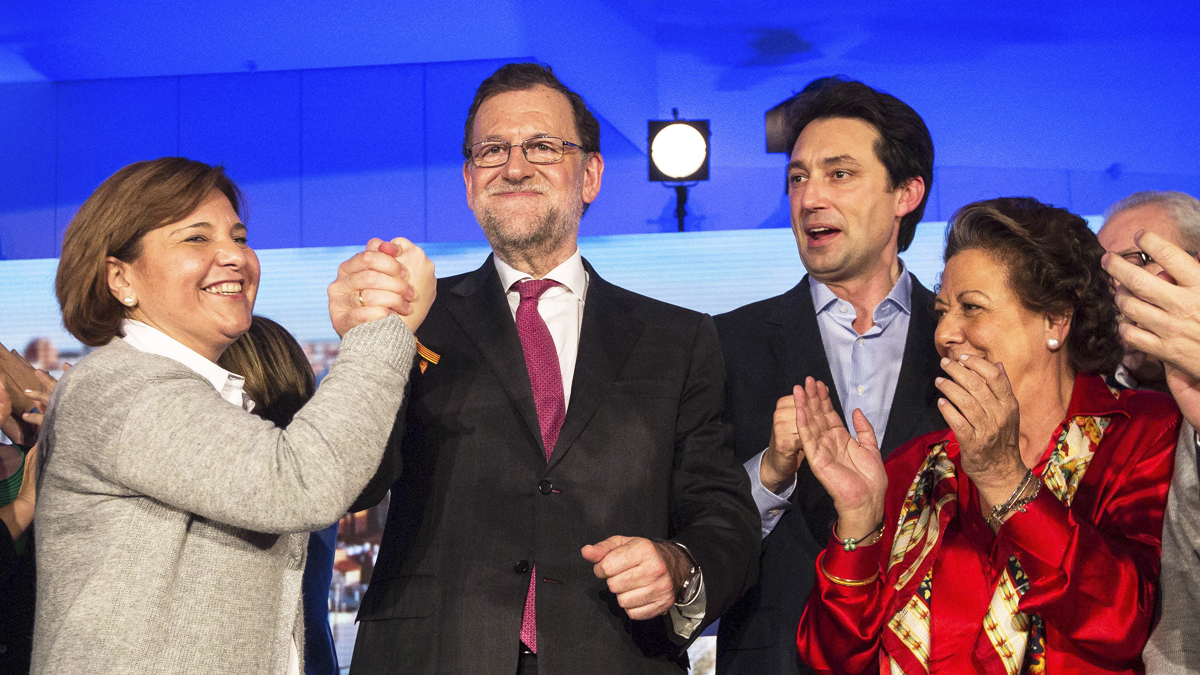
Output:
(904, 146)
(141, 197)
(523, 77)
(1053, 263)
(278, 376)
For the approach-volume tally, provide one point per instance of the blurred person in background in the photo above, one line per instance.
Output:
(280, 381)
(1175, 217)
(18, 495)
(171, 522)
(1160, 309)
(1024, 538)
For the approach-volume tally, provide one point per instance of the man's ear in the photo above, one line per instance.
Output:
(909, 196)
(119, 282)
(468, 181)
(593, 170)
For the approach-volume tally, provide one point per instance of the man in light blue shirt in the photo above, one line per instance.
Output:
(858, 179)
(865, 368)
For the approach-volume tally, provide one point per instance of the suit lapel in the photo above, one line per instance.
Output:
(797, 343)
(914, 395)
(606, 339)
(480, 307)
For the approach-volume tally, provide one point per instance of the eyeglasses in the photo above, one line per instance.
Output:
(540, 150)
(1141, 258)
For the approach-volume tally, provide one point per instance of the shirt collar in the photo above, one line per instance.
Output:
(570, 273)
(1092, 396)
(900, 295)
(150, 340)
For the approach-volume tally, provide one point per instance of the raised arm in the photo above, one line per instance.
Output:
(181, 444)
(843, 620)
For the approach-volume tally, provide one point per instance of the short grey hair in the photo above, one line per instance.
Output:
(1184, 209)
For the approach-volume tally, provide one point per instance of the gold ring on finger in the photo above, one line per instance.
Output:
(360, 299)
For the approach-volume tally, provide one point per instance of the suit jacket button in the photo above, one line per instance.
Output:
(545, 487)
(521, 567)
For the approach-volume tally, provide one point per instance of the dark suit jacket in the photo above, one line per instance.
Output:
(769, 346)
(644, 451)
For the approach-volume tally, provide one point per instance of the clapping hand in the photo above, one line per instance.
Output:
(22, 427)
(850, 470)
(1160, 315)
(393, 277)
(785, 453)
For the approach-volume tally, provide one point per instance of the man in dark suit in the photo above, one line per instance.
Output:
(858, 179)
(568, 499)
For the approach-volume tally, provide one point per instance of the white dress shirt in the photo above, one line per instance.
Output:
(561, 307)
(151, 340)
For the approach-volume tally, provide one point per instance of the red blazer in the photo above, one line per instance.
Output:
(1092, 567)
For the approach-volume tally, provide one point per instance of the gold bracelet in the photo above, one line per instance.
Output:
(846, 582)
(1016, 504)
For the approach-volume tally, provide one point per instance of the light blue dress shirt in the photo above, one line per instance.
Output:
(865, 368)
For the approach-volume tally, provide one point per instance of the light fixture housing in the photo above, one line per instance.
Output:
(679, 150)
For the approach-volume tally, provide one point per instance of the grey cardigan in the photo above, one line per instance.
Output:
(164, 513)
(1174, 646)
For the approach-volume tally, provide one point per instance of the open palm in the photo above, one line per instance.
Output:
(850, 470)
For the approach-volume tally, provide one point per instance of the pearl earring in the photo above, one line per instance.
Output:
(1052, 344)
(130, 301)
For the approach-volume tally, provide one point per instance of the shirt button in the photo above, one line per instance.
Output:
(545, 487)
(521, 567)
(774, 512)
(842, 309)
(861, 340)
(861, 389)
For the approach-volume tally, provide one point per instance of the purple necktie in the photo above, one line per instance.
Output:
(541, 360)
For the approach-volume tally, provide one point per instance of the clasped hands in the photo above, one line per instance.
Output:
(979, 406)
(1160, 315)
(393, 277)
(645, 575)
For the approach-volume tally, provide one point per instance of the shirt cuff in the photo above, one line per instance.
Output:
(770, 505)
(685, 619)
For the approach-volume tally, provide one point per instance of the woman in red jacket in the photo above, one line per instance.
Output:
(1024, 538)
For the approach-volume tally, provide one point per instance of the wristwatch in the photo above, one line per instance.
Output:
(691, 584)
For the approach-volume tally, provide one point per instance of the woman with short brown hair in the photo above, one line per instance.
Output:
(171, 522)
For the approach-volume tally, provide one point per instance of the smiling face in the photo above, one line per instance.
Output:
(845, 215)
(530, 210)
(979, 314)
(195, 280)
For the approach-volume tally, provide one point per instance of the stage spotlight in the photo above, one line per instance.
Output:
(678, 150)
(679, 155)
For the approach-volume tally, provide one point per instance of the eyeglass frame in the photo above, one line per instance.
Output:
(524, 151)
